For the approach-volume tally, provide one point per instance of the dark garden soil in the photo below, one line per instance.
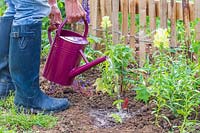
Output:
(90, 111)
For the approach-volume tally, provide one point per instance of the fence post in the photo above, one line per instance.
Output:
(133, 27)
(115, 22)
(142, 47)
(173, 23)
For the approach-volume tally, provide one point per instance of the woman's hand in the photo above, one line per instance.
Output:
(55, 17)
(74, 11)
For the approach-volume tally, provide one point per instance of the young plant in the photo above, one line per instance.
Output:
(174, 84)
(117, 118)
(142, 92)
(89, 52)
(116, 74)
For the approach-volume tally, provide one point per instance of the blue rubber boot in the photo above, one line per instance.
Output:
(6, 84)
(25, 45)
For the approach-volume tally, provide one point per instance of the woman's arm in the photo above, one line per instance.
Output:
(74, 10)
(55, 14)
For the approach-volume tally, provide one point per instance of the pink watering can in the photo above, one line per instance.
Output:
(67, 49)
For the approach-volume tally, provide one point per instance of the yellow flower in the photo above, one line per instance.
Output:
(161, 39)
(106, 23)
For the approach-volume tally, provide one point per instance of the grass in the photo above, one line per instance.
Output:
(13, 121)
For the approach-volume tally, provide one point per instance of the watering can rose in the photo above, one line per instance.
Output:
(161, 39)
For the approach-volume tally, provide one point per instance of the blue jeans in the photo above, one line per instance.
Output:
(27, 11)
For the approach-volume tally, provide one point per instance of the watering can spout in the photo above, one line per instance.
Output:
(87, 66)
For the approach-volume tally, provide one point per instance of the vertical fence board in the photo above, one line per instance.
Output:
(163, 13)
(142, 12)
(125, 5)
(157, 8)
(103, 7)
(192, 11)
(186, 20)
(173, 23)
(93, 15)
(169, 9)
(106, 7)
(96, 18)
(197, 16)
(179, 10)
(109, 8)
(152, 16)
(115, 22)
(133, 27)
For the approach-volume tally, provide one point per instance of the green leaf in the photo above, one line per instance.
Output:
(117, 118)
(142, 94)
(118, 103)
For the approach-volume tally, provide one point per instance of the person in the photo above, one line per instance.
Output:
(20, 44)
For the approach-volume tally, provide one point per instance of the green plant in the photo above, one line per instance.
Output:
(2, 7)
(13, 121)
(173, 82)
(142, 93)
(116, 73)
(117, 118)
(89, 52)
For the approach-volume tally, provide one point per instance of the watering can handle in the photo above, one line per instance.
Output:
(49, 33)
(60, 28)
(65, 21)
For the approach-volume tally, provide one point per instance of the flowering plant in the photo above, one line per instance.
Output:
(106, 23)
(161, 39)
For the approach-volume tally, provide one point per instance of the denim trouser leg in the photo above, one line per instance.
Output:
(27, 11)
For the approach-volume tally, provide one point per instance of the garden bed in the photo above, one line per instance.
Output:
(90, 112)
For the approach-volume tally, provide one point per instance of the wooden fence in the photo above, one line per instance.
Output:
(165, 10)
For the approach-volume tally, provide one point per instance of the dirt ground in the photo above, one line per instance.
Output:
(90, 111)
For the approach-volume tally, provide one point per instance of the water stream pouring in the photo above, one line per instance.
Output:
(66, 51)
